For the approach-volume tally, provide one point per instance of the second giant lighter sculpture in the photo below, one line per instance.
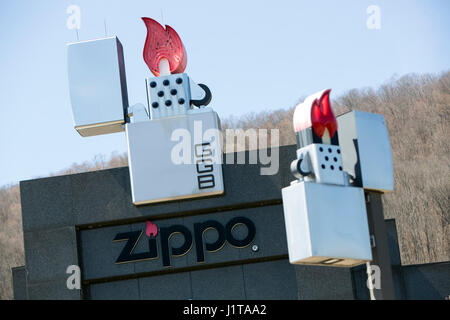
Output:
(337, 159)
(174, 150)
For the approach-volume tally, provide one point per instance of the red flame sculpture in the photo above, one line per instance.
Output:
(163, 43)
(316, 112)
(151, 229)
(322, 115)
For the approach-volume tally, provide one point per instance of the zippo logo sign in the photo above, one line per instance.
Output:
(192, 238)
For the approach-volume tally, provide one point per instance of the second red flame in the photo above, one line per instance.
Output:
(322, 116)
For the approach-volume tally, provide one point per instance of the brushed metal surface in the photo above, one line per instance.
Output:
(97, 86)
(155, 177)
(366, 150)
(325, 222)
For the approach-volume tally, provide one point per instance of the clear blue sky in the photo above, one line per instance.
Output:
(254, 55)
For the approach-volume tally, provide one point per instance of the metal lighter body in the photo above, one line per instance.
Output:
(326, 224)
(174, 143)
(325, 217)
(175, 158)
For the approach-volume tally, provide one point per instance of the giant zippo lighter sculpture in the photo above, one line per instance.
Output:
(159, 171)
(337, 159)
